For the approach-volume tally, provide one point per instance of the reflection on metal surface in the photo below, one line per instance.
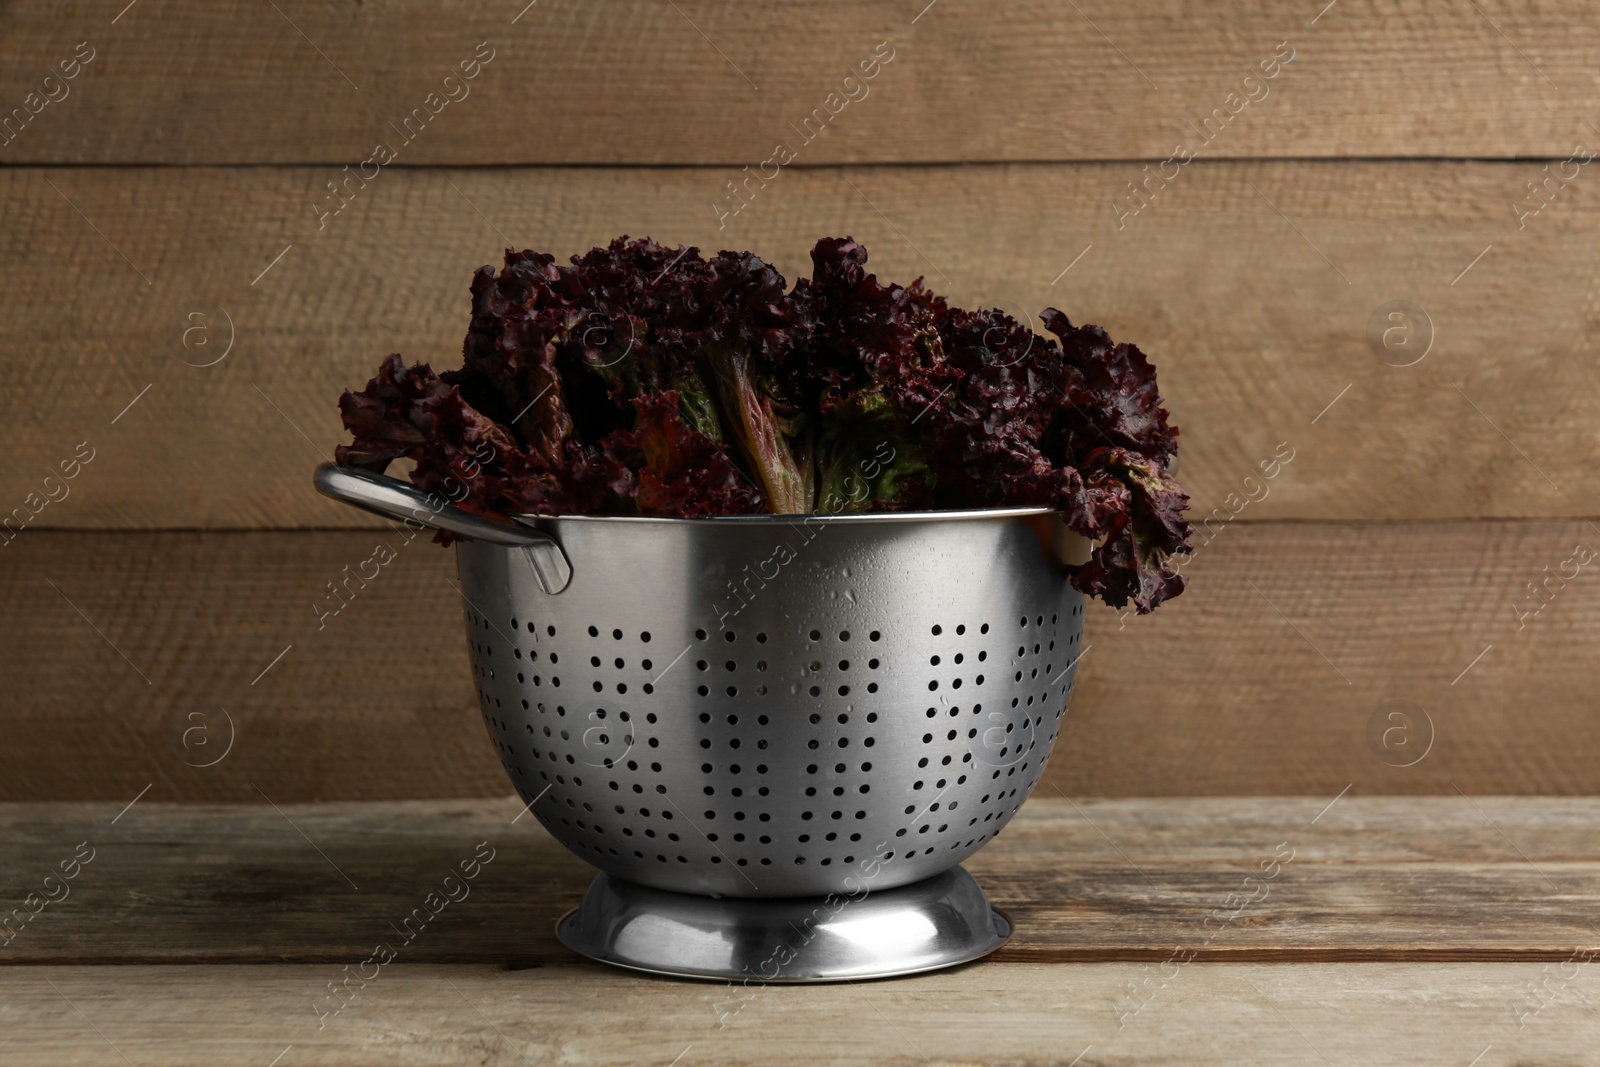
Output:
(899, 934)
(693, 948)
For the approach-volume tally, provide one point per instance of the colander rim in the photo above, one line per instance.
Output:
(854, 518)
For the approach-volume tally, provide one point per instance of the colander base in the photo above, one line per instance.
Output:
(927, 925)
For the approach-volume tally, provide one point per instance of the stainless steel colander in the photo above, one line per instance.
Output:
(764, 707)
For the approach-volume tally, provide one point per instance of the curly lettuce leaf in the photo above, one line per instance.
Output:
(646, 380)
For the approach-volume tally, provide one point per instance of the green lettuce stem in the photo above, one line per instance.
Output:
(786, 478)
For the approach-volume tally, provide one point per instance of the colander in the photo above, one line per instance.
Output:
(777, 737)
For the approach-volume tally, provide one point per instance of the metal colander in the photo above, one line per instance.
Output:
(752, 707)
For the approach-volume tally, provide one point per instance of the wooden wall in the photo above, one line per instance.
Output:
(182, 305)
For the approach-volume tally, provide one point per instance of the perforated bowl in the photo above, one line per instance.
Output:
(754, 707)
(750, 707)
(791, 712)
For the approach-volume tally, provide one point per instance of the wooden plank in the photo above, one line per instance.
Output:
(1276, 672)
(1257, 320)
(1022, 1014)
(1220, 879)
(220, 632)
(629, 81)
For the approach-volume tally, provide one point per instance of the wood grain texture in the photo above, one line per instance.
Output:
(1278, 671)
(1028, 1015)
(1365, 879)
(632, 81)
(1257, 320)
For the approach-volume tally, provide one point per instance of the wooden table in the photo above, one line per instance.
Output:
(1424, 930)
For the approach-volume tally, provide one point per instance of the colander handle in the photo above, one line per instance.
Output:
(395, 499)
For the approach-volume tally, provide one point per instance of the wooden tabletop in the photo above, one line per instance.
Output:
(1442, 930)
